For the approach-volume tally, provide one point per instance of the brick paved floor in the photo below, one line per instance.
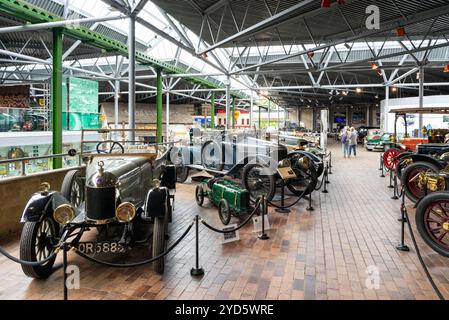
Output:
(318, 255)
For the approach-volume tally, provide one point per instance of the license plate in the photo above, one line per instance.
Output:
(100, 247)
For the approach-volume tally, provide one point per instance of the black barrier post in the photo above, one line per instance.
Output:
(197, 271)
(326, 179)
(64, 268)
(264, 205)
(282, 209)
(391, 179)
(330, 162)
(381, 162)
(395, 188)
(310, 208)
(402, 246)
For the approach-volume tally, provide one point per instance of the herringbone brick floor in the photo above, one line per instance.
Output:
(322, 254)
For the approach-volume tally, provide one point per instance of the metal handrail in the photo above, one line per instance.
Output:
(51, 156)
(24, 160)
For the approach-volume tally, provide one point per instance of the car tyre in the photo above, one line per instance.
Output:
(224, 212)
(159, 242)
(411, 188)
(199, 195)
(424, 221)
(38, 235)
(182, 174)
(250, 172)
(73, 187)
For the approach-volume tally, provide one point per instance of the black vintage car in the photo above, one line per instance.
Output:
(120, 197)
(412, 167)
(261, 165)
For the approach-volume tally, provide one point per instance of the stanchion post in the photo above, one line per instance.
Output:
(391, 179)
(197, 271)
(382, 166)
(330, 162)
(402, 246)
(381, 163)
(326, 179)
(282, 209)
(64, 268)
(395, 188)
(310, 208)
(263, 206)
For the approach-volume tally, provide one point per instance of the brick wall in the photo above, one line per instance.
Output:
(146, 113)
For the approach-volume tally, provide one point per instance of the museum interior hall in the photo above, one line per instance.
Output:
(233, 150)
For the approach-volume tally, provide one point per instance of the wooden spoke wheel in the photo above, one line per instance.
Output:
(389, 158)
(432, 221)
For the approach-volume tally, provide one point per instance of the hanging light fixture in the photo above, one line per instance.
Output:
(310, 54)
(400, 31)
(374, 66)
(394, 89)
(326, 3)
(358, 90)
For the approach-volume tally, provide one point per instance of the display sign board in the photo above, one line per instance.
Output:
(232, 235)
(257, 223)
(83, 95)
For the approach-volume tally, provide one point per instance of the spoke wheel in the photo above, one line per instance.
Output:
(410, 179)
(432, 221)
(306, 178)
(257, 179)
(199, 195)
(224, 212)
(389, 158)
(73, 188)
(36, 244)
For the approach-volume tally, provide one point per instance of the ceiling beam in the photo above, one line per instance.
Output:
(267, 23)
(387, 26)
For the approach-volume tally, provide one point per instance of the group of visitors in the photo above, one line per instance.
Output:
(349, 141)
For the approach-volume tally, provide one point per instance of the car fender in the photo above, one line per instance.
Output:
(425, 158)
(311, 156)
(42, 204)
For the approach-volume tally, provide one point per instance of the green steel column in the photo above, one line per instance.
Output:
(56, 97)
(259, 116)
(159, 106)
(233, 113)
(212, 111)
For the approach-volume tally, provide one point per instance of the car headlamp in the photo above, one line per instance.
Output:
(125, 212)
(64, 214)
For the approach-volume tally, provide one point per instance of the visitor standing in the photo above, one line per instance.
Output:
(353, 135)
(345, 141)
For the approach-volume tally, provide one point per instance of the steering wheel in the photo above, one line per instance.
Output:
(114, 143)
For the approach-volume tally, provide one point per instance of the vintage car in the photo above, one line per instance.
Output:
(255, 161)
(120, 197)
(432, 213)
(412, 168)
(375, 139)
(229, 197)
(364, 131)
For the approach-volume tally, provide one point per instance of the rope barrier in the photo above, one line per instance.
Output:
(27, 263)
(259, 202)
(421, 260)
(137, 264)
(301, 196)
